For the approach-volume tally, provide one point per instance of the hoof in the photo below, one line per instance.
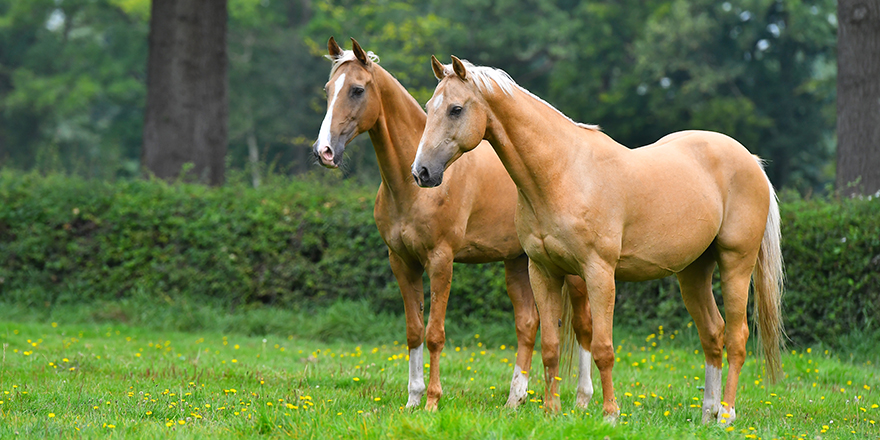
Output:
(553, 405)
(611, 419)
(431, 406)
(413, 403)
(711, 413)
(513, 402)
(583, 400)
(726, 415)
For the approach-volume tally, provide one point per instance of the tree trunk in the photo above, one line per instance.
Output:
(858, 96)
(187, 110)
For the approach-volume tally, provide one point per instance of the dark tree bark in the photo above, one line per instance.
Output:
(186, 115)
(858, 96)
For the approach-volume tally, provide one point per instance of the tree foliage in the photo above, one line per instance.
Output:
(762, 71)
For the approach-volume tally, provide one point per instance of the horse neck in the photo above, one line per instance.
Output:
(519, 128)
(396, 134)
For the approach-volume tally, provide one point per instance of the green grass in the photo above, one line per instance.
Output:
(117, 381)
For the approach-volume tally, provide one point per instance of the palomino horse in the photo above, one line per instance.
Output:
(592, 207)
(469, 222)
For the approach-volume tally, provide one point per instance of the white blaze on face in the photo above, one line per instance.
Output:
(435, 102)
(585, 379)
(438, 101)
(416, 376)
(712, 395)
(324, 134)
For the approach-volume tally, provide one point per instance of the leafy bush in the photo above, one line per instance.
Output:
(305, 244)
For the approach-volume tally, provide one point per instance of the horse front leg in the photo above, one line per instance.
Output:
(548, 297)
(526, 317)
(582, 324)
(601, 290)
(409, 279)
(440, 275)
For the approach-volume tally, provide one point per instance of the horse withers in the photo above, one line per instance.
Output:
(589, 206)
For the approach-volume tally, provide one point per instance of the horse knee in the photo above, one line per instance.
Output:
(527, 330)
(550, 353)
(413, 337)
(713, 343)
(603, 354)
(436, 340)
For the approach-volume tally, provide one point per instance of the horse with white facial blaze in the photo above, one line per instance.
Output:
(592, 207)
(470, 220)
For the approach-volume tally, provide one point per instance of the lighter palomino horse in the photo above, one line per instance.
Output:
(470, 221)
(592, 207)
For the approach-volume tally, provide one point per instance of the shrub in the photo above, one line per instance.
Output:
(307, 243)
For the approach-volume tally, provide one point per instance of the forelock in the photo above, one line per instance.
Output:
(484, 77)
(347, 55)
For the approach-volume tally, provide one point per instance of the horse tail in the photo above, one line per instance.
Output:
(768, 279)
(567, 337)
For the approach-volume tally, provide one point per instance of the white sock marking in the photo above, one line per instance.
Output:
(519, 387)
(416, 376)
(712, 394)
(585, 379)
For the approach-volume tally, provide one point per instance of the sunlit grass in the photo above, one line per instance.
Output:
(66, 381)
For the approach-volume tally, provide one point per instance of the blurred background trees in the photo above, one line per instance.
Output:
(73, 74)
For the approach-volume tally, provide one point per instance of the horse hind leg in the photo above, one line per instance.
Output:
(696, 291)
(736, 269)
(519, 290)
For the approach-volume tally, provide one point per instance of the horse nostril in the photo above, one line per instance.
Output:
(423, 174)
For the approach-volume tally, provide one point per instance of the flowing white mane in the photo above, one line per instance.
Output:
(484, 77)
(347, 55)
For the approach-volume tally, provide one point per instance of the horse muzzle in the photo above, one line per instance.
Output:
(325, 155)
(425, 178)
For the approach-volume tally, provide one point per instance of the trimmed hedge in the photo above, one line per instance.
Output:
(305, 243)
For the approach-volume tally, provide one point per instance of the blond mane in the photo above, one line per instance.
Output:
(484, 77)
(347, 55)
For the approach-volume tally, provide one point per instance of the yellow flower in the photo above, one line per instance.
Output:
(51, 415)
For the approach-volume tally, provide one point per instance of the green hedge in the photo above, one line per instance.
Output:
(306, 243)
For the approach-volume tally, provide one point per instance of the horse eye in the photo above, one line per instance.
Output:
(455, 111)
(357, 91)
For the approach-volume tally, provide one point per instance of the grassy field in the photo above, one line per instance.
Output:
(115, 381)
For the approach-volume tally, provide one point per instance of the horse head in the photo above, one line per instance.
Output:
(352, 101)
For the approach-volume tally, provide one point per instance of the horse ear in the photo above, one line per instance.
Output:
(439, 70)
(359, 53)
(333, 49)
(458, 67)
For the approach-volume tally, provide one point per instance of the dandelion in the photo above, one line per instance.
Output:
(51, 415)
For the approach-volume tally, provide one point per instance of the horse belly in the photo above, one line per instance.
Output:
(665, 252)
